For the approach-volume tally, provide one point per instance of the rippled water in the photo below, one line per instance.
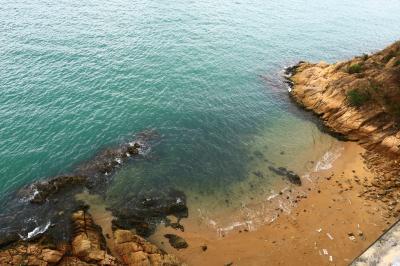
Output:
(78, 76)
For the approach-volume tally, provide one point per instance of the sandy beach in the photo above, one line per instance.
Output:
(331, 225)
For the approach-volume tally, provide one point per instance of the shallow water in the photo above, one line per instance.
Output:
(77, 77)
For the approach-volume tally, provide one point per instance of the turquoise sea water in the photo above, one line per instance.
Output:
(78, 76)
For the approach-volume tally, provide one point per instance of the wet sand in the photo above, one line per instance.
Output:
(331, 225)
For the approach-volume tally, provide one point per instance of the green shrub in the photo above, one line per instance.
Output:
(364, 57)
(354, 68)
(357, 97)
(397, 63)
(389, 56)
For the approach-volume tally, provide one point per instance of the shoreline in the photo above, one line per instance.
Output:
(333, 204)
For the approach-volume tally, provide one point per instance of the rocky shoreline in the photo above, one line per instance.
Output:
(46, 225)
(87, 247)
(360, 100)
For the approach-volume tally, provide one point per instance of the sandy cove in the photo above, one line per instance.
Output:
(345, 208)
(324, 222)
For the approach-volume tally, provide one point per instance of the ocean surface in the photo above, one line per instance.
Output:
(80, 76)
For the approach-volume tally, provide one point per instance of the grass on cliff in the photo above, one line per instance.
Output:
(357, 97)
(354, 68)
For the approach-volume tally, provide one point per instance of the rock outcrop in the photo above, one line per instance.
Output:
(88, 247)
(102, 165)
(360, 99)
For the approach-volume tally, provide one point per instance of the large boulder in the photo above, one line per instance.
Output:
(135, 250)
(176, 241)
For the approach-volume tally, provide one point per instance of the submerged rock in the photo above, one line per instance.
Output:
(176, 241)
(258, 173)
(39, 192)
(290, 175)
(145, 210)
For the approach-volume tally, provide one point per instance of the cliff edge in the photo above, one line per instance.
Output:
(359, 98)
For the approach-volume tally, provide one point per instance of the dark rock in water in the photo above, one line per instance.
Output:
(176, 241)
(43, 209)
(136, 145)
(86, 175)
(40, 191)
(176, 226)
(144, 211)
(142, 228)
(8, 239)
(258, 154)
(290, 175)
(132, 150)
(258, 174)
(289, 72)
(293, 178)
(107, 161)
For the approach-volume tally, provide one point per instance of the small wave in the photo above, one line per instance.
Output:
(144, 148)
(33, 191)
(327, 159)
(38, 230)
(270, 197)
(234, 225)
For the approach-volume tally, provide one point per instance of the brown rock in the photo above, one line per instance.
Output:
(123, 236)
(73, 261)
(136, 259)
(51, 256)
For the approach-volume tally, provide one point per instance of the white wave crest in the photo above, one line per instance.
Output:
(327, 159)
(38, 230)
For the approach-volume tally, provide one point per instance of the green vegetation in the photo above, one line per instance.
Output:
(354, 68)
(397, 63)
(358, 97)
(389, 56)
(364, 57)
